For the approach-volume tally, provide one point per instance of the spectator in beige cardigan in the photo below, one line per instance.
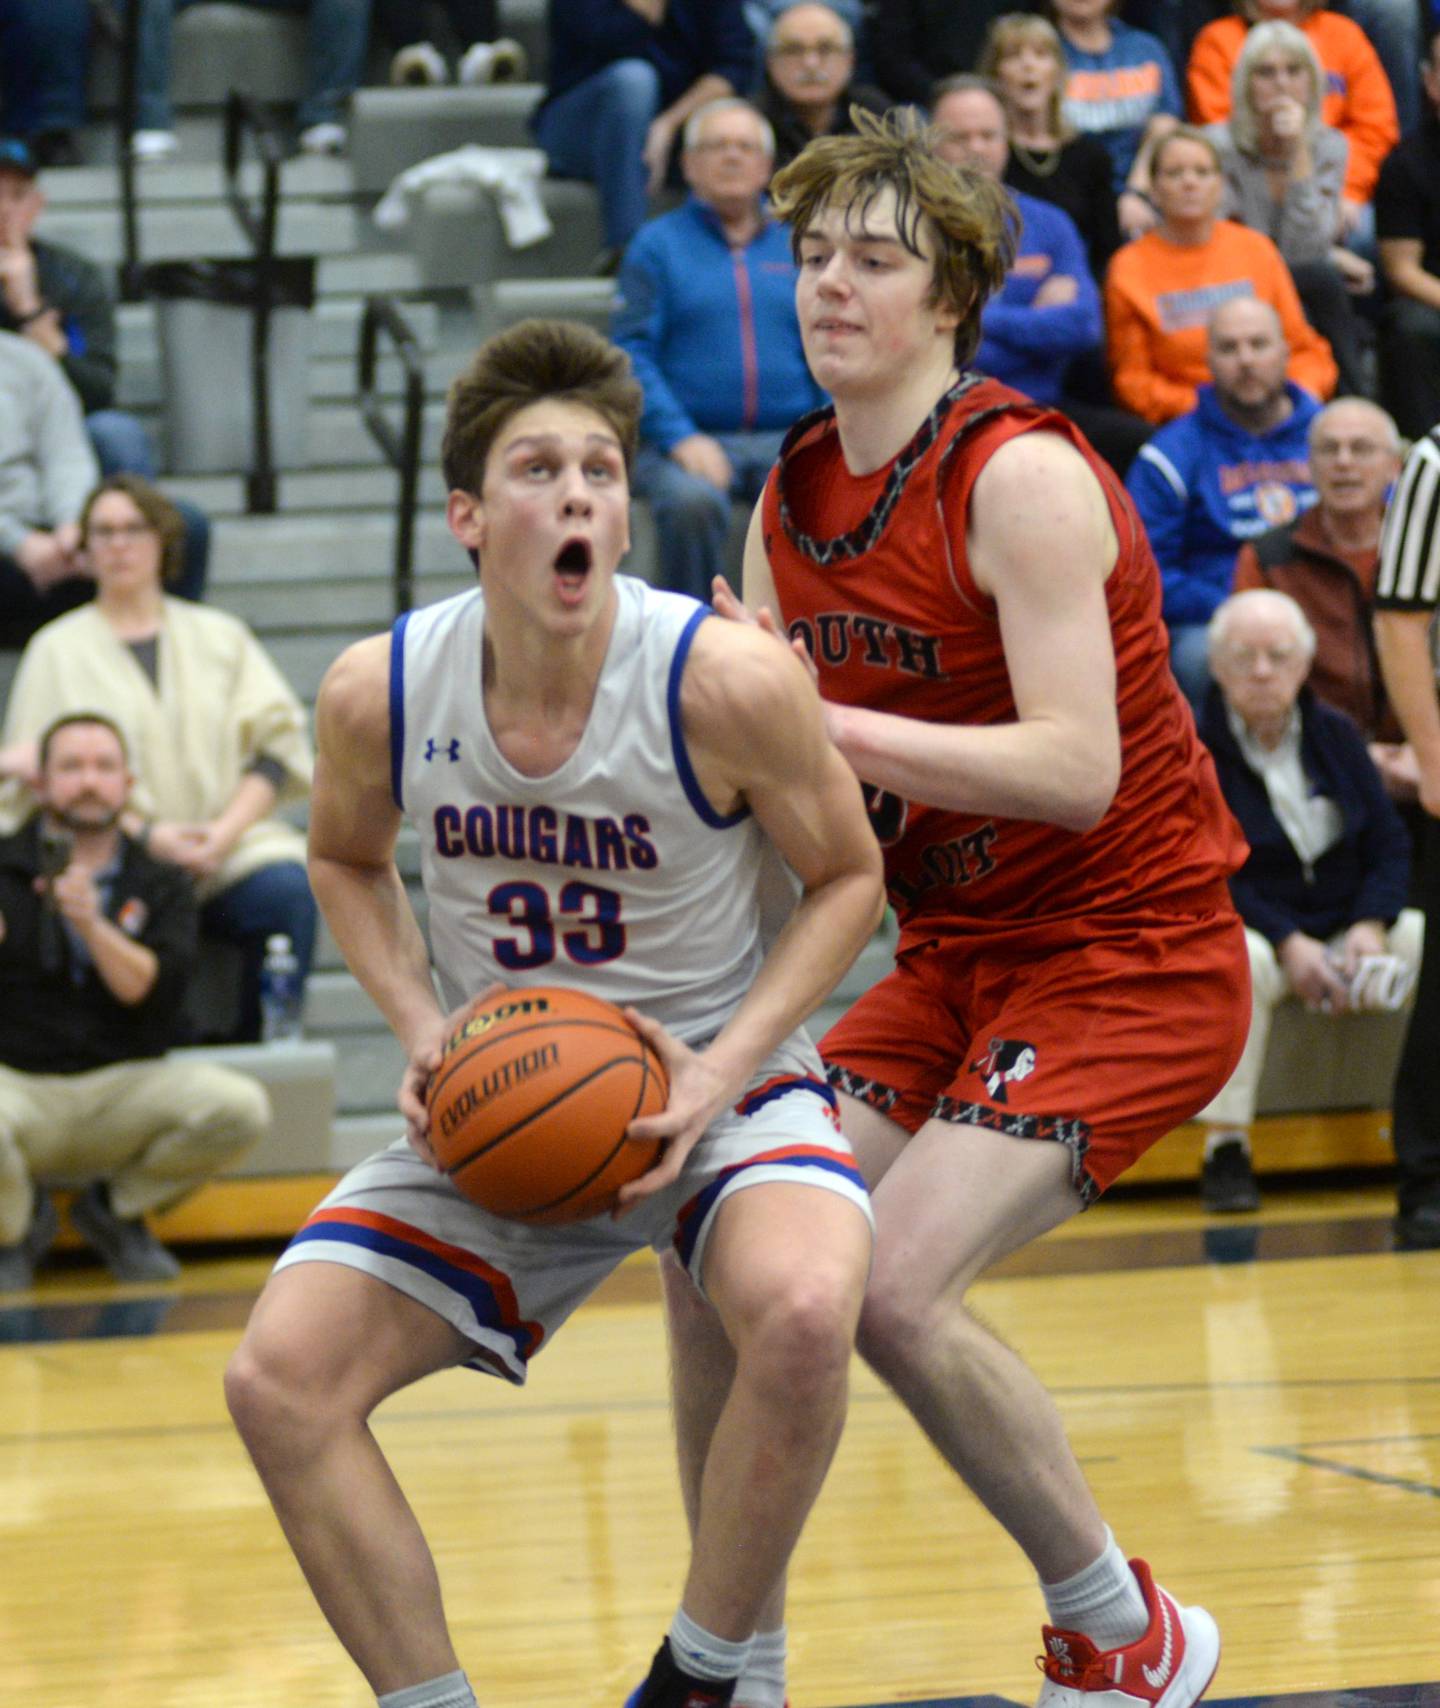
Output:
(218, 739)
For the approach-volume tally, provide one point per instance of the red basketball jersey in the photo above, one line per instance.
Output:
(872, 572)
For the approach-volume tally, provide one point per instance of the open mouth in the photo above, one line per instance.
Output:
(573, 557)
(573, 563)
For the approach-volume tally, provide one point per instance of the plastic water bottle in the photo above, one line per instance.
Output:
(281, 991)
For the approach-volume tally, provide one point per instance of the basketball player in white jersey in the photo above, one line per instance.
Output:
(597, 773)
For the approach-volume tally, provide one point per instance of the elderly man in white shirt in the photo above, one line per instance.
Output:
(1323, 892)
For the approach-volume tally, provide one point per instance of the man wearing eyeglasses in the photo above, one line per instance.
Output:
(1326, 560)
(707, 316)
(809, 79)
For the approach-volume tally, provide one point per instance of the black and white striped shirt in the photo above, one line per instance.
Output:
(1408, 578)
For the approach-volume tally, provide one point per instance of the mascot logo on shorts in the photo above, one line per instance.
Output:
(1007, 1059)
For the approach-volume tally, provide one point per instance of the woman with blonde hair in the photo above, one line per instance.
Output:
(1049, 159)
(217, 739)
(1162, 288)
(1357, 100)
(1284, 175)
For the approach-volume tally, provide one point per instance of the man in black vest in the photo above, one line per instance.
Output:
(96, 944)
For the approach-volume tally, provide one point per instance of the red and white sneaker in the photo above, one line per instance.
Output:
(1171, 1666)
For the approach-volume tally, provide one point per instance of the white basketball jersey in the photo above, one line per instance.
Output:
(613, 874)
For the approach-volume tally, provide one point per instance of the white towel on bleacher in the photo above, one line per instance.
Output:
(512, 175)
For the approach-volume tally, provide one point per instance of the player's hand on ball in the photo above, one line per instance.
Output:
(697, 1095)
(413, 1096)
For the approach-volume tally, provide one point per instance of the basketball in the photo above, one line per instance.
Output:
(530, 1102)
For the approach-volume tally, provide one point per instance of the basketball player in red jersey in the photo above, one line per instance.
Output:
(983, 614)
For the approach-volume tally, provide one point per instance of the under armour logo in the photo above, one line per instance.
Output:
(451, 749)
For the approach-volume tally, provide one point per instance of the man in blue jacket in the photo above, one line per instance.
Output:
(1233, 468)
(625, 75)
(1048, 310)
(707, 317)
(1323, 890)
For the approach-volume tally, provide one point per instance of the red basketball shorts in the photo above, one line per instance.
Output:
(1100, 1034)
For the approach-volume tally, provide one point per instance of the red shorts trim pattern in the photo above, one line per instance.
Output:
(1101, 1035)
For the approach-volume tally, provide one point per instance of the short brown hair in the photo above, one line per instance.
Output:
(70, 720)
(527, 363)
(971, 219)
(1185, 133)
(157, 510)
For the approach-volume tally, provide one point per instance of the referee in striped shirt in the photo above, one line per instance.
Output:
(1407, 592)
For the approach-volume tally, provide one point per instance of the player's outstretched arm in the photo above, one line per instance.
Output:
(1042, 544)
(354, 823)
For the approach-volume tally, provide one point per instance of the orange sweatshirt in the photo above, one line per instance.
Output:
(1358, 99)
(1159, 296)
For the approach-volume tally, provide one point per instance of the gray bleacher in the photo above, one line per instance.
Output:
(316, 576)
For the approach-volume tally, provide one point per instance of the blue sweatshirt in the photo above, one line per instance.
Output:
(711, 331)
(1114, 95)
(697, 36)
(1203, 486)
(1028, 347)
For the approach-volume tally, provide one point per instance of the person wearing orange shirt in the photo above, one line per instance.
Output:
(1161, 289)
(1359, 101)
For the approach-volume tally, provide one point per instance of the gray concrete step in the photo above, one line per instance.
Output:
(328, 378)
(394, 129)
(309, 489)
(180, 231)
(334, 329)
(201, 180)
(289, 548)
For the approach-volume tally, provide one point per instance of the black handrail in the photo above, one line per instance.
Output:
(123, 28)
(402, 448)
(244, 114)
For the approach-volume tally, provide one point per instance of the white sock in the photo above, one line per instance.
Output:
(762, 1683)
(1218, 1136)
(452, 1691)
(702, 1654)
(1103, 1602)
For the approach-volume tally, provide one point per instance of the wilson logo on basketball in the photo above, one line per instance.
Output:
(504, 1078)
(479, 1024)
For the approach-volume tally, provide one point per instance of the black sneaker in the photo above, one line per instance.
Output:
(1227, 1182)
(131, 1252)
(19, 1262)
(1418, 1229)
(668, 1687)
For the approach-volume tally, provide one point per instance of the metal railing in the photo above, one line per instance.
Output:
(122, 24)
(401, 446)
(244, 115)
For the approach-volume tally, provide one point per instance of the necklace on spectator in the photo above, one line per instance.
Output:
(1038, 163)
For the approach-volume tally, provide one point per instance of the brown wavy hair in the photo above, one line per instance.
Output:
(527, 363)
(157, 510)
(970, 220)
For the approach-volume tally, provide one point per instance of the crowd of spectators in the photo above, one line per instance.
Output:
(1219, 226)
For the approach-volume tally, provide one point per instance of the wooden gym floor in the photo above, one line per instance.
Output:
(1256, 1401)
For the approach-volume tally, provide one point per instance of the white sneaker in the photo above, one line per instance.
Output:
(149, 146)
(1170, 1666)
(500, 61)
(421, 65)
(328, 138)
